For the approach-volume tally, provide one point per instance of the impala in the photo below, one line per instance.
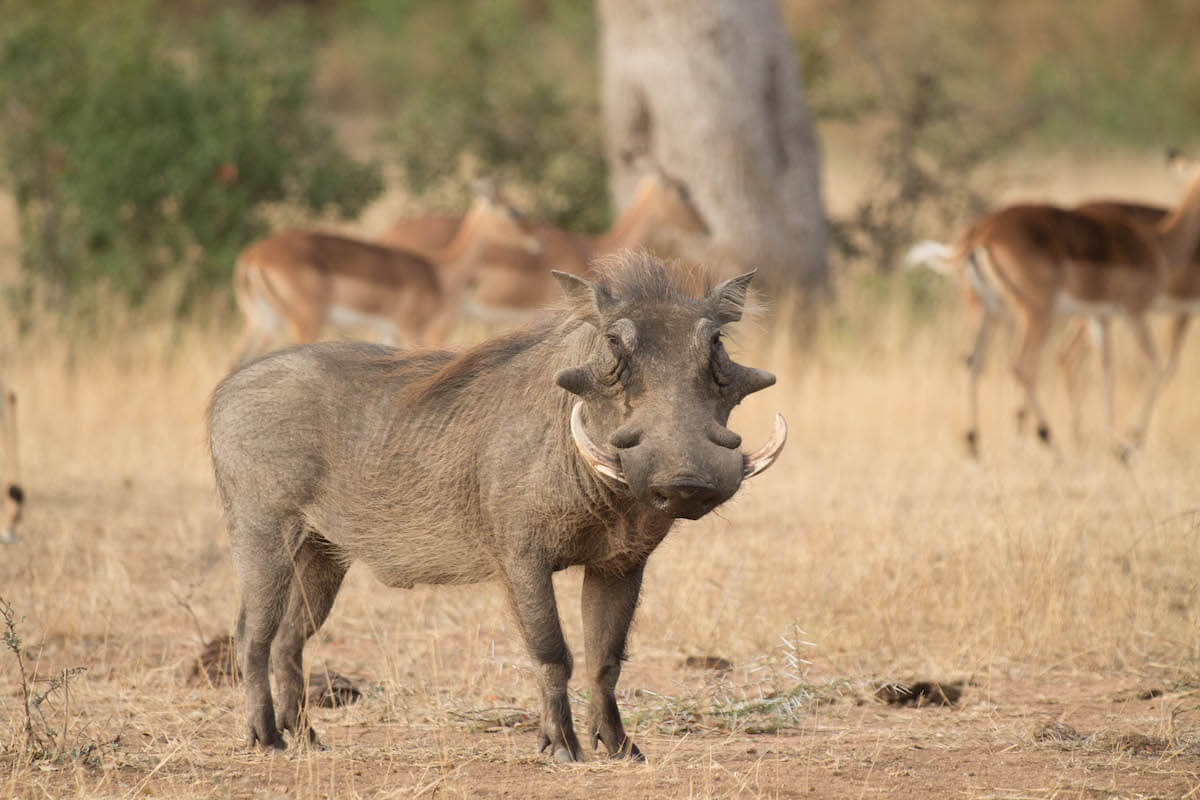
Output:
(290, 285)
(1180, 296)
(1039, 261)
(522, 282)
(14, 495)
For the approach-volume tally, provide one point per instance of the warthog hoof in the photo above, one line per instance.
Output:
(266, 741)
(313, 743)
(302, 732)
(627, 749)
(564, 752)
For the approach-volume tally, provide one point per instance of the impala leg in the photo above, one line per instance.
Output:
(531, 596)
(1100, 332)
(318, 574)
(608, 605)
(255, 342)
(975, 361)
(304, 326)
(439, 327)
(1070, 360)
(1035, 329)
(1141, 332)
(1179, 328)
(13, 503)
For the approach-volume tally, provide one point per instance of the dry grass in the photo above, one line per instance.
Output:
(873, 550)
(1055, 588)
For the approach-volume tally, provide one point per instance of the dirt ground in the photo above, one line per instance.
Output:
(1018, 735)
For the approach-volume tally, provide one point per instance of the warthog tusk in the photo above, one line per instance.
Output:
(604, 463)
(765, 456)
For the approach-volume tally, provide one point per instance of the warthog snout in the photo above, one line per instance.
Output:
(688, 498)
(658, 392)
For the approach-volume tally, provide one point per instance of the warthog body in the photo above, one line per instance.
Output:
(433, 467)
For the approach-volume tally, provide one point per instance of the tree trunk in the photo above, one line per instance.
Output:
(710, 91)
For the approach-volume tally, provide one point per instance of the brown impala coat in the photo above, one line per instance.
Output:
(520, 281)
(441, 468)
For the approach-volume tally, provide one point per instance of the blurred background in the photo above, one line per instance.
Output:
(145, 143)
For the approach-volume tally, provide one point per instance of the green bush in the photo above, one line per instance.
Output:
(141, 150)
(1129, 86)
(511, 83)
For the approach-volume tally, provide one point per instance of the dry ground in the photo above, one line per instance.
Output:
(1060, 590)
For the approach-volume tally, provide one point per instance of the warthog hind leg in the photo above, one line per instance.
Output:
(531, 594)
(266, 576)
(318, 576)
(608, 605)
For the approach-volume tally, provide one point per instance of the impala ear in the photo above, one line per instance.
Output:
(586, 300)
(728, 298)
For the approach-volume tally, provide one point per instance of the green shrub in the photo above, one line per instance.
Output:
(511, 83)
(141, 151)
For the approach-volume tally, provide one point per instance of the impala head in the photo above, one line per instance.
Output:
(672, 203)
(503, 225)
(677, 206)
(656, 388)
(1178, 159)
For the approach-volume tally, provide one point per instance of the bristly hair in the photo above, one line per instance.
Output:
(631, 276)
(637, 276)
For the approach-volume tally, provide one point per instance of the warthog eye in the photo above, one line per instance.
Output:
(618, 372)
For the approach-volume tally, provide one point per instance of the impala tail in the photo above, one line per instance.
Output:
(936, 256)
(259, 306)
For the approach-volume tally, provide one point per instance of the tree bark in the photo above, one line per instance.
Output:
(710, 91)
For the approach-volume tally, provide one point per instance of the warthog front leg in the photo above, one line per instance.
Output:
(608, 605)
(531, 593)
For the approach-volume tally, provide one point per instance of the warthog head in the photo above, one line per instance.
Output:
(658, 387)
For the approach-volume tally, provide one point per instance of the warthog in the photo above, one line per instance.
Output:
(434, 467)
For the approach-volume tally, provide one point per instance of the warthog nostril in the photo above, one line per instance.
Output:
(625, 437)
(689, 498)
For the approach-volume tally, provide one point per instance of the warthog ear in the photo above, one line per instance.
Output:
(585, 299)
(729, 298)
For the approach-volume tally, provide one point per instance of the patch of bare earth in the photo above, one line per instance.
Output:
(1017, 735)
